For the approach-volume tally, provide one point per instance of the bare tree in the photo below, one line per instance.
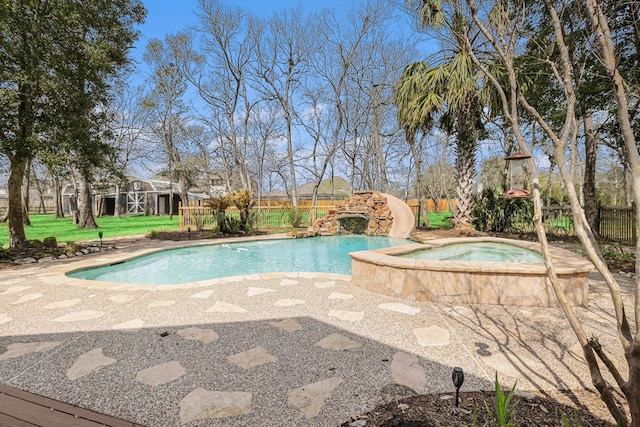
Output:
(128, 124)
(333, 63)
(265, 126)
(218, 68)
(168, 114)
(283, 52)
(503, 33)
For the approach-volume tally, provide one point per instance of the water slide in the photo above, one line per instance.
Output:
(404, 223)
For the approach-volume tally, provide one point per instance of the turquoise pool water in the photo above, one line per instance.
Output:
(320, 254)
(480, 251)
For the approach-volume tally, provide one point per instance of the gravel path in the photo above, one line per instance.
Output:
(277, 349)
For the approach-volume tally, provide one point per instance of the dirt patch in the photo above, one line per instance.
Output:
(536, 410)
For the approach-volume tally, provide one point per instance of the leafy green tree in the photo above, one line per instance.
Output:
(56, 60)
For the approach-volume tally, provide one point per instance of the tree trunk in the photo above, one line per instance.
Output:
(549, 181)
(184, 194)
(85, 205)
(42, 208)
(377, 142)
(57, 189)
(170, 200)
(116, 208)
(100, 207)
(417, 157)
(465, 169)
(17, 237)
(589, 186)
(25, 193)
(626, 179)
(5, 215)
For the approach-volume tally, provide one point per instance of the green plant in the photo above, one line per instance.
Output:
(566, 421)
(295, 216)
(220, 222)
(494, 213)
(243, 200)
(474, 415)
(154, 234)
(615, 251)
(252, 221)
(503, 411)
(234, 225)
(72, 247)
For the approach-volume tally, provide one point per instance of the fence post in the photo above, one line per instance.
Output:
(634, 228)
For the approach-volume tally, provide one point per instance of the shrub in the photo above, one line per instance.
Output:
(72, 246)
(494, 213)
(243, 200)
(50, 242)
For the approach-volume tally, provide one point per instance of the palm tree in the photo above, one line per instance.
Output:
(452, 89)
(414, 119)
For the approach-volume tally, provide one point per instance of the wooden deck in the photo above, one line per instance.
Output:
(19, 408)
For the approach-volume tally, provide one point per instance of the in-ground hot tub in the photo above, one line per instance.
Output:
(406, 271)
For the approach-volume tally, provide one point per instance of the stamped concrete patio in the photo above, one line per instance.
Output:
(287, 349)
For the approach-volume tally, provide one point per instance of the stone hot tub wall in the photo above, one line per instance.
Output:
(470, 282)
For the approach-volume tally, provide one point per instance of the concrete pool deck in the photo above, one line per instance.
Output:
(275, 349)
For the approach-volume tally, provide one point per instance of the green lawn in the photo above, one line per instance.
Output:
(64, 230)
(439, 219)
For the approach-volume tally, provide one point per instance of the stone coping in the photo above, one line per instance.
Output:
(565, 262)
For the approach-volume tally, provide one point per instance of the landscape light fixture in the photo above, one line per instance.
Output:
(188, 233)
(516, 176)
(458, 378)
(100, 234)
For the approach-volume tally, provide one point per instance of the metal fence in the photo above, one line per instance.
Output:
(261, 218)
(615, 223)
(618, 224)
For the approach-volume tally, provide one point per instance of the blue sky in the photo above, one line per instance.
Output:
(169, 16)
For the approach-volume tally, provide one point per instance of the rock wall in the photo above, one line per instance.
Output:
(370, 207)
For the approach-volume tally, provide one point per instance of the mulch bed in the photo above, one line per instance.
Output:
(7, 256)
(438, 410)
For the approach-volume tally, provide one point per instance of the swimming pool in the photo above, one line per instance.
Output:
(190, 264)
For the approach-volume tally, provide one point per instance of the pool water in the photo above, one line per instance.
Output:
(480, 251)
(320, 254)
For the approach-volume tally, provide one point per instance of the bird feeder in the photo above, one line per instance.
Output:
(516, 176)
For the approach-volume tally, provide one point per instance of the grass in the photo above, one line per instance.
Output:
(439, 219)
(64, 230)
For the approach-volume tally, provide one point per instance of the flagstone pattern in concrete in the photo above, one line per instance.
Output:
(302, 349)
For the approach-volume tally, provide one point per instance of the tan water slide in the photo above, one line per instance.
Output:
(404, 223)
